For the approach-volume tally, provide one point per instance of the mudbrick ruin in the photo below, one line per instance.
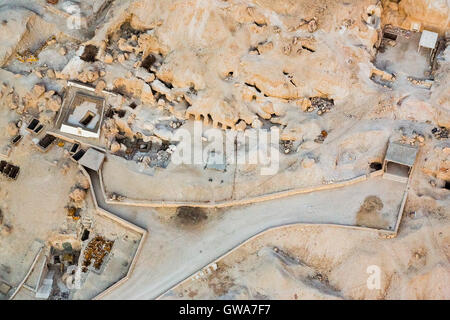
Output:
(227, 149)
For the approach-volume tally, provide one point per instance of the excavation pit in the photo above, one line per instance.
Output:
(398, 53)
(33, 125)
(77, 156)
(46, 142)
(375, 166)
(89, 53)
(148, 62)
(447, 185)
(399, 161)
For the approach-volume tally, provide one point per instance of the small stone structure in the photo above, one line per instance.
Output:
(428, 40)
(92, 159)
(82, 113)
(399, 161)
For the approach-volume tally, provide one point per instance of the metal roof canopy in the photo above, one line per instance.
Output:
(92, 159)
(401, 153)
(428, 39)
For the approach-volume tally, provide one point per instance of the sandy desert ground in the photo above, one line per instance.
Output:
(340, 80)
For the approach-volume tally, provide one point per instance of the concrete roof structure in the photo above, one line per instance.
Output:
(428, 39)
(81, 113)
(92, 159)
(401, 153)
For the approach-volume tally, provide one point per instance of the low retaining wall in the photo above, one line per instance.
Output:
(33, 265)
(229, 203)
(62, 136)
(124, 223)
(382, 232)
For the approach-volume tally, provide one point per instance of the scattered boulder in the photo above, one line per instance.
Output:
(124, 45)
(51, 74)
(54, 103)
(136, 88)
(241, 125)
(47, 116)
(304, 104)
(108, 59)
(101, 85)
(257, 124)
(115, 147)
(312, 25)
(88, 76)
(143, 74)
(121, 58)
(78, 195)
(83, 181)
(38, 90)
(12, 129)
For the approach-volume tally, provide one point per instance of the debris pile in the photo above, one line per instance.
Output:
(440, 133)
(47, 103)
(437, 164)
(413, 139)
(321, 137)
(287, 146)
(116, 197)
(322, 105)
(73, 213)
(96, 252)
(421, 83)
(383, 78)
(29, 57)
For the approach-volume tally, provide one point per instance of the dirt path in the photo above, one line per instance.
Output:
(173, 253)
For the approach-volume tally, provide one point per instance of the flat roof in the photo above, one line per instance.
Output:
(76, 98)
(92, 159)
(428, 39)
(401, 153)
